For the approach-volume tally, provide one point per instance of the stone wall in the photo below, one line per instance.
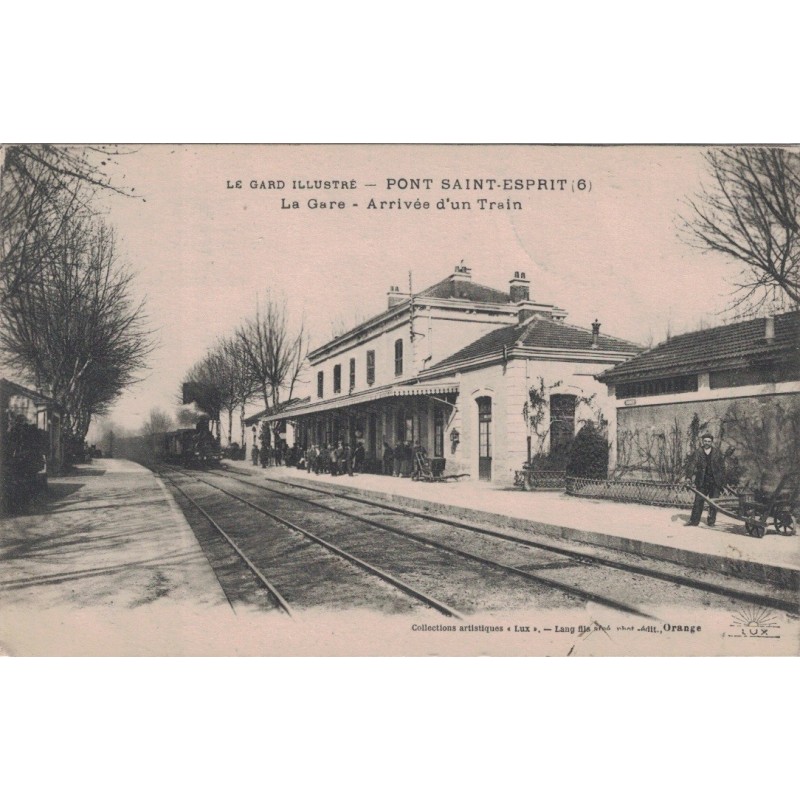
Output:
(760, 434)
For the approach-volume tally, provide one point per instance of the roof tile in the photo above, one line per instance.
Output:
(738, 344)
(537, 332)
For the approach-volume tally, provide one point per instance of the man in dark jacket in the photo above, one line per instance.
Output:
(707, 470)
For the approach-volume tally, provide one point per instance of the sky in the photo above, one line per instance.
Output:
(605, 246)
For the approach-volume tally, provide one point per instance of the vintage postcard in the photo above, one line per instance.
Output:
(400, 400)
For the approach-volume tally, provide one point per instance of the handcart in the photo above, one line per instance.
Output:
(758, 509)
(424, 471)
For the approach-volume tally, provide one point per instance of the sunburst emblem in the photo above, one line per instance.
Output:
(755, 617)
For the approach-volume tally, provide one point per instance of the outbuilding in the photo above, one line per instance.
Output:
(740, 382)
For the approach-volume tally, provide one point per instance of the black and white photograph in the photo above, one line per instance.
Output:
(400, 400)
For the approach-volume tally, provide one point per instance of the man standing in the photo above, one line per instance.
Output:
(707, 470)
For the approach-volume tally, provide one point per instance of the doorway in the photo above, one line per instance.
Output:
(484, 438)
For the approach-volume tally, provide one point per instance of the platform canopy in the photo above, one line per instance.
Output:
(368, 396)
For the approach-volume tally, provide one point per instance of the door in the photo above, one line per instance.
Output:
(485, 438)
(562, 422)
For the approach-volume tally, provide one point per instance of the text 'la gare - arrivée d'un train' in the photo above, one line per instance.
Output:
(419, 203)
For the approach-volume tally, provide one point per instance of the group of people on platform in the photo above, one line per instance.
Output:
(340, 458)
(276, 456)
(343, 458)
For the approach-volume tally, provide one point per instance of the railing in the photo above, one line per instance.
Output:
(654, 493)
(531, 479)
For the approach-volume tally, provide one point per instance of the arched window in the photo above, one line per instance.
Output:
(484, 438)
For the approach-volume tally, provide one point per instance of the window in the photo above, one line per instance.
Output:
(484, 427)
(320, 383)
(352, 374)
(398, 357)
(683, 383)
(370, 367)
(337, 379)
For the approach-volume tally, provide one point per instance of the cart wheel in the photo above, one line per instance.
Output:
(784, 523)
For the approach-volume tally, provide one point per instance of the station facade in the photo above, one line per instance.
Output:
(450, 368)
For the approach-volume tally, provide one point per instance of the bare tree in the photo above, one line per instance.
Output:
(203, 386)
(42, 188)
(751, 212)
(74, 329)
(274, 352)
(242, 386)
(224, 375)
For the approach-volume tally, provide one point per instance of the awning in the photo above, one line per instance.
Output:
(425, 388)
(357, 398)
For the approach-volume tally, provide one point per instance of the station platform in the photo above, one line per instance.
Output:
(629, 527)
(103, 543)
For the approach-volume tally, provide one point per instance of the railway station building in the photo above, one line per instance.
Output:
(740, 382)
(452, 368)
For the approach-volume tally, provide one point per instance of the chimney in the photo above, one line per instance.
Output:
(595, 335)
(462, 272)
(519, 288)
(395, 296)
(769, 328)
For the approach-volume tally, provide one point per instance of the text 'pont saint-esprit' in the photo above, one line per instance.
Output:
(339, 192)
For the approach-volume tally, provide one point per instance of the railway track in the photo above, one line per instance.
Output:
(270, 584)
(279, 599)
(499, 569)
(782, 603)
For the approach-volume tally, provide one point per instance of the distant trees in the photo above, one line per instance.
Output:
(751, 212)
(158, 421)
(224, 375)
(264, 356)
(274, 352)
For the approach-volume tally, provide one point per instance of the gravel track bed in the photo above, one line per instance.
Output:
(459, 582)
(304, 572)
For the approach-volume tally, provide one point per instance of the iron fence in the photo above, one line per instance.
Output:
(531, 479)
(653, 493)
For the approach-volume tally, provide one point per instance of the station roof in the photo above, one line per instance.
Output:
(367, 396)
(727, 346)
(536, 332)
(268, 412)
(454, 289)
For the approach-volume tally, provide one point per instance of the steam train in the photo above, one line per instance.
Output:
(189, 447)
(195, 447)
